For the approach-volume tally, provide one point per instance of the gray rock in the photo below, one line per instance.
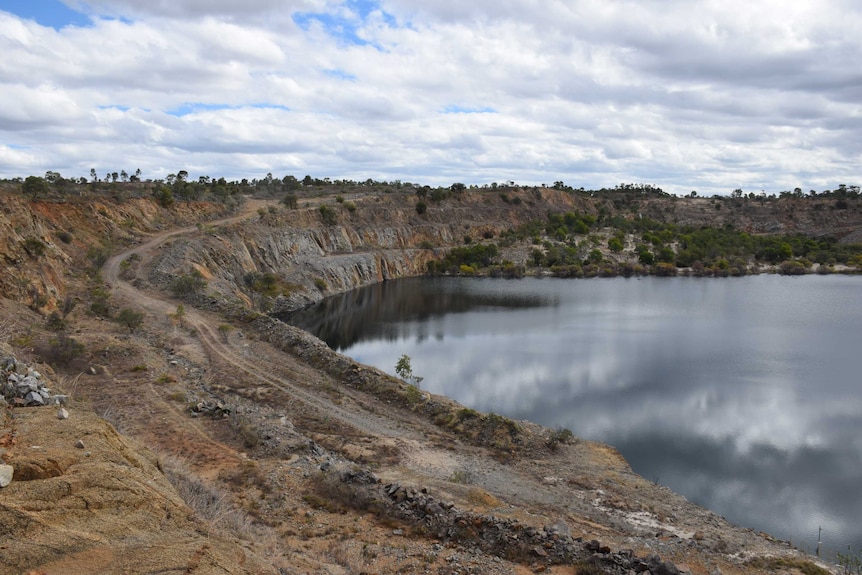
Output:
(79, 444)
(560, 528)
(34, 398)
(62, 413)
(6, 472)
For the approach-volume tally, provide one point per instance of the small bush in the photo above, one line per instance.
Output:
(61, 350)
(321, 284)
(65, 237)
(188, 284)
(34, 247)
(55, 322)
(130, 318)
(98, 256)
(100, 305)
(559, 436)
(461, 476)
(327, 215)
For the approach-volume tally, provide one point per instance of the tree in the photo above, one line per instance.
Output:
(405, 371)
(35, 186)
(130, 318)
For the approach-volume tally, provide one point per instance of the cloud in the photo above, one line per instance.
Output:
(683, 95)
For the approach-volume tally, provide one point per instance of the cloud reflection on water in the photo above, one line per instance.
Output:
(740, 394)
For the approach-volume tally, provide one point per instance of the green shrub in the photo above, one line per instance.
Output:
(130, 318)
(188, 284)
(61, 350)
(34, 247)
(327, 215)
(100, 305)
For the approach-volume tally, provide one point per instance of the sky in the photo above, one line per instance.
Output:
(703, 95)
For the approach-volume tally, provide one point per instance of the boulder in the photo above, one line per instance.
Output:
(6, 472)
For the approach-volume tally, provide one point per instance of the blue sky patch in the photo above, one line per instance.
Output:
(51, 13)
(345, 28)
(195, 107)
(340, 74)
(455, 109)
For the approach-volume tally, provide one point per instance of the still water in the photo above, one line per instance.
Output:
(744, 395)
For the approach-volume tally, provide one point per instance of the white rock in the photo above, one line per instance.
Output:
(62, 414)
(5, 475)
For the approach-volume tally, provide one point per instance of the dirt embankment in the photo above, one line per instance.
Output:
(291, 458)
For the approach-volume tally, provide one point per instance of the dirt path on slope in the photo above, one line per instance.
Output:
(426, 452)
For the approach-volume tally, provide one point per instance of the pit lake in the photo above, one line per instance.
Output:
(743, 394)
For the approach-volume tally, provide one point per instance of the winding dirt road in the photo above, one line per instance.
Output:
(292, 382)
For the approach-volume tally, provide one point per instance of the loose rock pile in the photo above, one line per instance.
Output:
(215, 409)
(505, 538)
(24, 386)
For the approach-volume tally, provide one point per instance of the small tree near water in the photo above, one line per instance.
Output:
(405, 371)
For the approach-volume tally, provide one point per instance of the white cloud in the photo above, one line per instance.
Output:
(686, 95)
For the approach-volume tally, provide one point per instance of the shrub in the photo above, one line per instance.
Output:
(421, 208)
(327, 215)
(56, 322)
(100, 305)
(558, 436)
(188, 284)
(34, 247)
(130, 318)
(62, 350)
(792, 268)
(98, 256)
(64, 237)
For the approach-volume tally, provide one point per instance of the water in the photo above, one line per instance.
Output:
(744, 395)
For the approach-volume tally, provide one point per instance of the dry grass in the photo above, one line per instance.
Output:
(783, 564)
(210, 503)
